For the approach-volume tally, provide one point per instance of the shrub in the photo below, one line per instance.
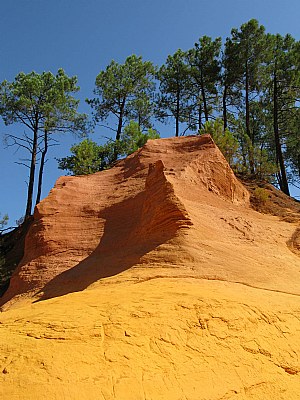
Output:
(260, 195)
(225, 140)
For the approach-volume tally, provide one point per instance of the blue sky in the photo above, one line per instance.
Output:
(83, 36)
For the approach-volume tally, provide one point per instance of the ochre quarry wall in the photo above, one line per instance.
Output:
(128, 210)
(154, 280)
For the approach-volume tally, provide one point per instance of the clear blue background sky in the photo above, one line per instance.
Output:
(83, 36)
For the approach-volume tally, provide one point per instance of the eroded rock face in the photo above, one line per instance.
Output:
(154, 280)
(126, 211)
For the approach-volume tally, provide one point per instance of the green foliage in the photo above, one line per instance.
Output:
(235, 151)
(205, 72)
(87, 157)
(43, 104)
(265, 168)
(249, 47)
(124, 91)
(174, 97)
(249, 44)
(3, 221)
(292, 154)
(225, 140)
(133, 138)
(281, 95)
(260, 195)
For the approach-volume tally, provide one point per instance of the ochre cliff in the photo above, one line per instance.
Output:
(154, 280)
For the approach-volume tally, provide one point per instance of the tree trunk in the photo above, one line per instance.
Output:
(248, 132)
(31, 173)
(120, 126)
(41, 171)
(204, 99)
(200, 116)
(284, 186)
(225, 123)
(177, 113)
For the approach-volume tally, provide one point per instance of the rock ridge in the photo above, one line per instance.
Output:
(69, 224)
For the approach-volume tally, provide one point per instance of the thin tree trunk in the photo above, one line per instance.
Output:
(279, 180)
(41, 171)
(120, 126)
(248, 132)
(31, 173)
(225, 123)
(284, 186)
(204, 99)
(200, 116)
(177, 113)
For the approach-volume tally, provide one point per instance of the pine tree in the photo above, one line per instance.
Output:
(175, 88)
(124, 91)
(249, 47)
(231, 77)
(43, 104)
(205, 76)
